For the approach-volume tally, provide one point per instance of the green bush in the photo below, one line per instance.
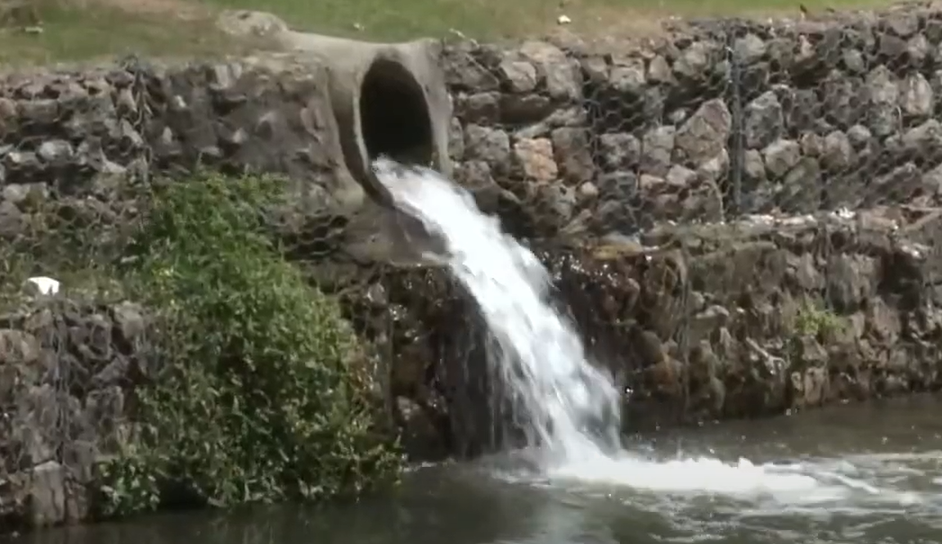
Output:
(261, 391)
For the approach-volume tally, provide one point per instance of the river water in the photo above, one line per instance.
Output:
(889, 454)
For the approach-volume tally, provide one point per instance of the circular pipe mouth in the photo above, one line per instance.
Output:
(394, 115)
(394, 123)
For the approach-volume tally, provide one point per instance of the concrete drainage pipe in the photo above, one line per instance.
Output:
(388, 99)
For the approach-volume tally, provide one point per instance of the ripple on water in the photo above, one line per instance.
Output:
(852, 487)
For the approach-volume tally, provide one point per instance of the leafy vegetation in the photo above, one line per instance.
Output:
(811, 320)
(260, 392)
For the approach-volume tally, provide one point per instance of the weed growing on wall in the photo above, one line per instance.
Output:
(257, 391)
(811, 320)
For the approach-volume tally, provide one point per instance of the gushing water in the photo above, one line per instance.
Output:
(572, 406)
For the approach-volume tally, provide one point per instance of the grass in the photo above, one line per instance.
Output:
(496, 19)
(73, 32)
(87, 29)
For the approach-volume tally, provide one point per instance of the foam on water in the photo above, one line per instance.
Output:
(572, 406)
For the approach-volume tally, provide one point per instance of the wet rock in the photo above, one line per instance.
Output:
(850, 281)
(455, 140)
(420, 436)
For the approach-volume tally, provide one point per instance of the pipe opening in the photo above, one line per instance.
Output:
(394, 117)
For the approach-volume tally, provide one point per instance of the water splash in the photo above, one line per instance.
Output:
(572, 407)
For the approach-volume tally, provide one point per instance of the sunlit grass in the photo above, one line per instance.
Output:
(88, 29)
(495, 19)
(83, 33)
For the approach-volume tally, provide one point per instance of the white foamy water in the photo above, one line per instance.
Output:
(573, 408)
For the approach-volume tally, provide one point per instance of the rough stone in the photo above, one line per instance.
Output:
(534, 158)
(704, 135)
(694, 61)
(837, 153)
(764, 120)
(519, 76)
(916, 97)
(628, 76)
(657, 148)
(562, 76)
(780, 156)
(619, 151)
(572, 152)
(490, 145)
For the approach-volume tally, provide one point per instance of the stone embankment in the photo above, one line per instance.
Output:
(66, 367)
(728, 118)
(742, 217)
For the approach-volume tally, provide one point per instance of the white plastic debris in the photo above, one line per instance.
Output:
(563, 20)
(844, 213)
(43, 285)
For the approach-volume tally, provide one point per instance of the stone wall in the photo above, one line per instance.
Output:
(65, 370)
(69, 130)
(722, 118)
(688, 195)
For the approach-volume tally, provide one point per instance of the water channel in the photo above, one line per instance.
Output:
(877, 468)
